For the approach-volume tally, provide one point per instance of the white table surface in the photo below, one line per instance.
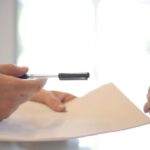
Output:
(135, 139)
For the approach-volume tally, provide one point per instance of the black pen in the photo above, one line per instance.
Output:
(60, 76)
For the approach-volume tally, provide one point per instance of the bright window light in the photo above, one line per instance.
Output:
(108, 38)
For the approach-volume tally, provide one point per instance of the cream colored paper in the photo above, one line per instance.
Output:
(102, 110)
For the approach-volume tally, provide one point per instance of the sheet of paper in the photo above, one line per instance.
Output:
(105, 109)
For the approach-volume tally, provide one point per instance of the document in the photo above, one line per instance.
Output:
(105, 109)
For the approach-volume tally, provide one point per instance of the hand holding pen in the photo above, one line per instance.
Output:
(14, 91)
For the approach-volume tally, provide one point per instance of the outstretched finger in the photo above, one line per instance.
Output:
(63, 97)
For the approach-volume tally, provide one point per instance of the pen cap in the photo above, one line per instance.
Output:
(73, 76)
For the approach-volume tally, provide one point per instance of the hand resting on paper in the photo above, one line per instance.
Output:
(54, 99)
(15, 91)
(147, 105)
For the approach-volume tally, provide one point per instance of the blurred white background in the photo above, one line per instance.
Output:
(110, 39)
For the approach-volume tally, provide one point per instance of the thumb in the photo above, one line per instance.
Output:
(13, 70)
(32, 85)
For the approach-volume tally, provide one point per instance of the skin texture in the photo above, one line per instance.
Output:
(15, 91)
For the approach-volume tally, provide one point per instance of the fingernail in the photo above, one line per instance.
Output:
(24, 68)
(44, 81)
